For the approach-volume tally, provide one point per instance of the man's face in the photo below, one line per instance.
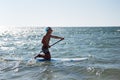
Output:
(50, 30)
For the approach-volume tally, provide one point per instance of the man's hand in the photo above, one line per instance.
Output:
(62, 38)
(49, 46)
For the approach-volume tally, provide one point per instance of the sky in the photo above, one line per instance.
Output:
(59, 13)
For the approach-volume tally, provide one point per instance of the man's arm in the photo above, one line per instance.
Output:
(56, 37)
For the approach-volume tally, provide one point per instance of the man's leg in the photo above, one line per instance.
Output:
(47, 56)
(39, 55)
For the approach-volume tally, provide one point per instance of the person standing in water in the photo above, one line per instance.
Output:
(45, 41)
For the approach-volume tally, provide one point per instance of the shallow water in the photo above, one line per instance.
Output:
(100, 44)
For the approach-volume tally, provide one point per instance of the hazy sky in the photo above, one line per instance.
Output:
(59, 12)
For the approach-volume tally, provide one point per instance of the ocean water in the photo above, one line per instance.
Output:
(100, 44)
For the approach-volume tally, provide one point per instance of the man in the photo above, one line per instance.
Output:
(46, 46)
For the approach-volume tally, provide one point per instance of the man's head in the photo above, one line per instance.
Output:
(49, 29)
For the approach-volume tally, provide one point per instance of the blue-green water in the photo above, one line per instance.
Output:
(100, 44)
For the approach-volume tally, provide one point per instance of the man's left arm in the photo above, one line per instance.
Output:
(56, 37)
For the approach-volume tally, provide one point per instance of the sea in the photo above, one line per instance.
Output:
(101, 45)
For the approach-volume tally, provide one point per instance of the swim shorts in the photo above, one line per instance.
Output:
(45, 50)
